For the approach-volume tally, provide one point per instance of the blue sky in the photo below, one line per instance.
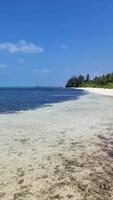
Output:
(44, 42)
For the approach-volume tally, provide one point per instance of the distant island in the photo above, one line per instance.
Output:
(104, 81)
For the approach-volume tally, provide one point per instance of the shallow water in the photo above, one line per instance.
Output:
(58, 152)
(17, 99)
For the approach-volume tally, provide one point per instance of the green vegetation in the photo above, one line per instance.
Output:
(104, 81)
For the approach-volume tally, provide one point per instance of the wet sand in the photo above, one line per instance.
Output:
(64, 151)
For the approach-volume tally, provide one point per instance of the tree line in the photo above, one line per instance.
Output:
(105, 81)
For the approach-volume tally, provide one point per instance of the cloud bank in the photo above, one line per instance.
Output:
(22, 46)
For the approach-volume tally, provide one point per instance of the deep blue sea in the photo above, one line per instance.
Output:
(17, 99)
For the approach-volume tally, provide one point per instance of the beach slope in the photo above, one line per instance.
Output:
(60, 152)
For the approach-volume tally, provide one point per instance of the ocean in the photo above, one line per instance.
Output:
(18, 99)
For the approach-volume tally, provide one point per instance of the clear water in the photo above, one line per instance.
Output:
(17, 99)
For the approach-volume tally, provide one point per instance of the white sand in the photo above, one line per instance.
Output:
(101, 91)
(58, 152)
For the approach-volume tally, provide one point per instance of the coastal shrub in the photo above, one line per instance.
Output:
(104, 81)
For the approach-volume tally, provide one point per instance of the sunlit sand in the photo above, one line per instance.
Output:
(100, 91)
(64, 151)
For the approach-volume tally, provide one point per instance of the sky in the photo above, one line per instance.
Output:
(44, 42)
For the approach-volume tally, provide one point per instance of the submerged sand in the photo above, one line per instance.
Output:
(64, 151)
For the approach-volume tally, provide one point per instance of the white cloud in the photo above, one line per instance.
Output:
(21, 60)
(41, 71)
(64, 46)
(21, 46)
(3, 66)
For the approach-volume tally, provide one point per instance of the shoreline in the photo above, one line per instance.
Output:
(60, 152)
(100, 91)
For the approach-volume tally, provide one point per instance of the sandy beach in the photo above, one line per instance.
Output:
(100, 91)
(63, 151)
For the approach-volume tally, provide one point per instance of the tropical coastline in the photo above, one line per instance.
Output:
(63, 151)
(56, 100)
